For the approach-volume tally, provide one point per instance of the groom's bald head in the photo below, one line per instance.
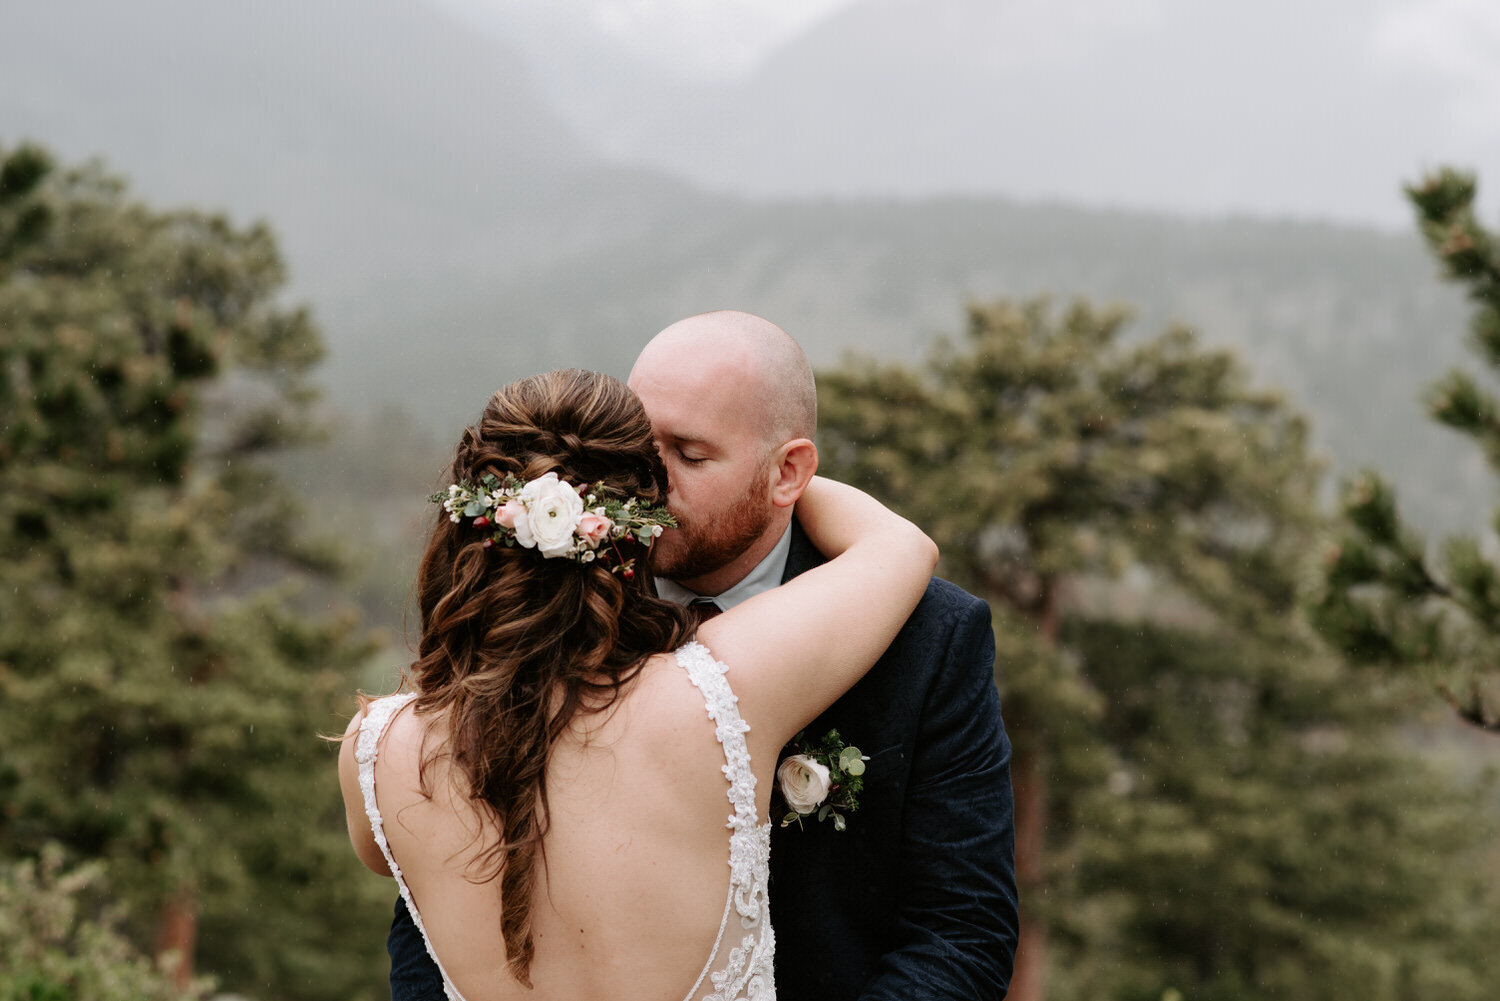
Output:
(748, 361)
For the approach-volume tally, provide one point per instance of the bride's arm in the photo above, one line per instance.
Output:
(795, 649)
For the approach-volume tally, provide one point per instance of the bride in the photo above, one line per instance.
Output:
(571, 792)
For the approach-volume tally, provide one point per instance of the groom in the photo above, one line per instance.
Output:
(916, 899)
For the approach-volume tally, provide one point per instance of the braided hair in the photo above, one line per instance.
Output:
(514, 646)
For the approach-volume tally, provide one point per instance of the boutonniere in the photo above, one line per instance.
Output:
(823, 777)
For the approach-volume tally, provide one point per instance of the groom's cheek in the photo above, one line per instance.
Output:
(672, 541)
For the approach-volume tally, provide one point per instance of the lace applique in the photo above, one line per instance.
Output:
(746, 973)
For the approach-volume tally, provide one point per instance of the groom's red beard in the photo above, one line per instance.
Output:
(695, 549)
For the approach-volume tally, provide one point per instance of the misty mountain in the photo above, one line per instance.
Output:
(394, 150)
(1348, 322)
(452, 232)
(1290, 106)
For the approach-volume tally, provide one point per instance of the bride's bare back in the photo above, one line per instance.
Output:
(629, 902)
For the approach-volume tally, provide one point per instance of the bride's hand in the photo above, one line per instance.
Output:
(835, 516)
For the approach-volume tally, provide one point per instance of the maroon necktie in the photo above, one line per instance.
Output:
(703, 609)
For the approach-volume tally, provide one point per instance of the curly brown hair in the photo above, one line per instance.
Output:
(513, 645)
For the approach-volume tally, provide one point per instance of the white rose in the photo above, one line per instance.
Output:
(804, 782)
(552, 509)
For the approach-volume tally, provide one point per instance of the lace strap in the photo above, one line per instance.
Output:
(377, 718)
(366, 749)
(707, 675)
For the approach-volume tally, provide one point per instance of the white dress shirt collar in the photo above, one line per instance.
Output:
(766, 575)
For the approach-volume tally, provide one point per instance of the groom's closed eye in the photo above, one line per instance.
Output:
(691, 451)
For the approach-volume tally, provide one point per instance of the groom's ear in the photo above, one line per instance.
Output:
(796, 462)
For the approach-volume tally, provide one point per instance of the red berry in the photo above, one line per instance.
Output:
(488, 543)
(481, 521)
(628, 573)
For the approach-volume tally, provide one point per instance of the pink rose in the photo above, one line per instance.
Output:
(507, 515)
(593, 528)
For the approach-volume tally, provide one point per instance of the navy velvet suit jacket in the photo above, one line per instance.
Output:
(917, 898)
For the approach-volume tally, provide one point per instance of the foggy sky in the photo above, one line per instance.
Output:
(1314, 109)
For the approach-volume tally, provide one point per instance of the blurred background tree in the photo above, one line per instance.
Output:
(1387, 600)
(60, 940)
(170, 647)
(1204, 803)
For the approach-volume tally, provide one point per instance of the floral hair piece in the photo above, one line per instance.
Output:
(555, 518)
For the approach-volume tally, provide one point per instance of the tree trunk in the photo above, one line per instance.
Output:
(1028, 982)
(177, 933)
(1028, 778)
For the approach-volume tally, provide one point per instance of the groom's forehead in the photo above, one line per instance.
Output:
(685, 434)
(698, 430)
(685, 413)
(680, 436)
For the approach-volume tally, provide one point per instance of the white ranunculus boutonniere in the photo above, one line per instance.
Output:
(823, 777)
(804, 782)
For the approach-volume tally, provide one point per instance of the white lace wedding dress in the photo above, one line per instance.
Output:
(740, 972)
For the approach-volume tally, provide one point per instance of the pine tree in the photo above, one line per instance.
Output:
(167, 660)
(1197, 795)
(1386, 600)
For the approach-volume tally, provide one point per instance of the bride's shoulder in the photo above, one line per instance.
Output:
(667, 712)
(660, 672)
(684, 668)
(665, 692)
(404, 721)
(400, 734)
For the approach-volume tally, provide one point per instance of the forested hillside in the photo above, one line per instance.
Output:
(454, 234)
